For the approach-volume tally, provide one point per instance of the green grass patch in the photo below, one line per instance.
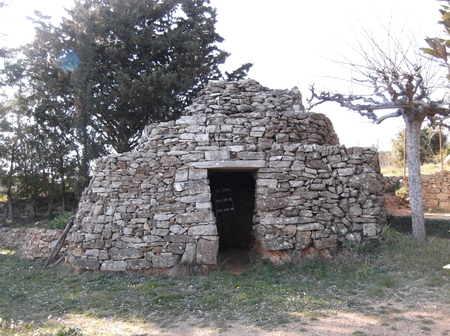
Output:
(264, 295)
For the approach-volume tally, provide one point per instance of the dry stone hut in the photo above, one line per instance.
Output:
(243, 165)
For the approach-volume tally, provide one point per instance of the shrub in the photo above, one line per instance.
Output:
(60, 221)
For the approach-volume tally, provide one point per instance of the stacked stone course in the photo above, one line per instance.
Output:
(12, 237)
(32, 243)
(435, 189)
(151, 208)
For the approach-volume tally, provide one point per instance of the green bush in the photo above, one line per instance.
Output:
(60, 221)
(402, 192)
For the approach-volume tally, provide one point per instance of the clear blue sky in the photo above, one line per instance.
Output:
(291, 43)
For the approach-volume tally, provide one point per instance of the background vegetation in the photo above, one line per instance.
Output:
(90, 85)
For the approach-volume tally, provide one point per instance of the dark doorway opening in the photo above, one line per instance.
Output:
(233, 201)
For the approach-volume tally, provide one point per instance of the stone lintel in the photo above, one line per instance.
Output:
(230, 164)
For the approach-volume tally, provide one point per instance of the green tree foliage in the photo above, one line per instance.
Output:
(429, 146)
(123, 64)
(90, 85)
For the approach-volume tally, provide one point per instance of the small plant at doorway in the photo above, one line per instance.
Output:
(60, 221)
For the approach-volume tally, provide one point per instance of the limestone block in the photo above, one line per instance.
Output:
(336, 211)
(367, 183)
(331, 241)
(177, 229)
(195, 217)
(201, 138)
(124, 254)
(179, 239)
(176, 248)
(91, 253)
(345, 172)
(189, 254)
(160, 232)
(280, 164)
(203, 230)
(128, 231)
(198, 174)
(180, 186)
(139, 264)
(86, 264)
(310, 227)
(271, 183)
(271, 204)
(132, 239)
(103, 255)
(196, 198)
(355, 210)
(113, 266)
(203, 205)
(289, 230)
(442, 197)
(91, 236)
(279, 220)
(342, 229)
(317, 187)
(277, 243)
(375, 211)
(191, 120)
(302, 240)
(229, 164)
(163, 217)
(182, 176)
(370, 230)
(163, 260)
(217, 155)
(206, 253)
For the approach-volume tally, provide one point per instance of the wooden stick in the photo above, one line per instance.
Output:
(59, 243)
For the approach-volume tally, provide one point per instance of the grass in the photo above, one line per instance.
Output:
(268, 296)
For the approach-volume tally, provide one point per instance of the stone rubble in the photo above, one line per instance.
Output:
(151, 208)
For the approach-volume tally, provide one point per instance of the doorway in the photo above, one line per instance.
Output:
(233, 202)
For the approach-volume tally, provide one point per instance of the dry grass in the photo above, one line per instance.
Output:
(263, 299)
(427, 168)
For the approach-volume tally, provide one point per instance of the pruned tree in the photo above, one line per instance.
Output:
(401, 84)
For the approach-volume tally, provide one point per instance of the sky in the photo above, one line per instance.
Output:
(291, 43)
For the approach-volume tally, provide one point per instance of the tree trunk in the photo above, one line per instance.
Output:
(9, 192)
(413, 125)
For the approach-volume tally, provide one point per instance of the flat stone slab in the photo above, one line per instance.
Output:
(230, 164)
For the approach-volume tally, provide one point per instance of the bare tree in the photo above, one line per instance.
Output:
(401, 86)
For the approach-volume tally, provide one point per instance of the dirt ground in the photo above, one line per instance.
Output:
(399, 321)
(399, 207)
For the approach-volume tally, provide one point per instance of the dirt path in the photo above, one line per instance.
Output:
(388, 318)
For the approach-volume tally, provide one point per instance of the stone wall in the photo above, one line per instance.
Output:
(152, 208)
(32, 243)
(12, 237)
(435, 189)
